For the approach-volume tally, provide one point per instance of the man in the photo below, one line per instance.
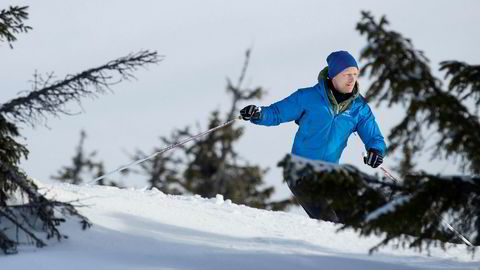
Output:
(327, 114)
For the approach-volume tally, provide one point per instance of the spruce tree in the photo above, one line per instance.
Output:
(437, 118)
(26, 214)
(211, 165)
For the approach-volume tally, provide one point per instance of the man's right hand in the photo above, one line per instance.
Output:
(251, 112)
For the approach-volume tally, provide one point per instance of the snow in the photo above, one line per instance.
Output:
(147, 229)
(317, 165)
(389, 207)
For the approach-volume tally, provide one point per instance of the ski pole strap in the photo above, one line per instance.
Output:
(170, 147)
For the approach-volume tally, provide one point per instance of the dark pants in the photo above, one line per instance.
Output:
(317, 208)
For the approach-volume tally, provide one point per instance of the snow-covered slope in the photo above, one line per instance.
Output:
(146, 229)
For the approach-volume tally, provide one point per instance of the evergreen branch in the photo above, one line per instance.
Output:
(19, 180)
(10, 150)
(464, 76)
(52, 98)
(12, 218)
(403, 72)
(413, 215)
(7, 245)
(39, 207)
(11, 23)
(455, 126)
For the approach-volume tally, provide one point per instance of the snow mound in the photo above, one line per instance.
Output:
(147, 229)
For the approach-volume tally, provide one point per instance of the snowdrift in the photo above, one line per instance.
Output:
(147, 229)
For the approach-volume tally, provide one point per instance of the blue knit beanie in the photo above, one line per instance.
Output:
(338, 61)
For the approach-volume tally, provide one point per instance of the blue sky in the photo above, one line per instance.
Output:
(204, 43)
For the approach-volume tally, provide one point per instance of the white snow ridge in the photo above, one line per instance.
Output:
(147, 229)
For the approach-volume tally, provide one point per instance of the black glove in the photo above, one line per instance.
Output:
(374, 158)
(251, 112)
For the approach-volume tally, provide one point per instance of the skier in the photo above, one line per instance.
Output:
(327, 114)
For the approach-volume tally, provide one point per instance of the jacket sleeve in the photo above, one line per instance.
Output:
(286, 110)
(369, 131)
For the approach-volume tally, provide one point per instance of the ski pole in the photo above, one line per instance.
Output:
(170, 147)
(463, 238)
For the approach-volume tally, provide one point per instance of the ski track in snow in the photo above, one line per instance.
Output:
(147, 229)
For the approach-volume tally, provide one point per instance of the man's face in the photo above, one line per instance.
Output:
(345, 80)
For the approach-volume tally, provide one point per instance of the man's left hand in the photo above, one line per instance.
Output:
(374, 158)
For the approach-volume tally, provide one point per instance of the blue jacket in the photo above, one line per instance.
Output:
(322, 133)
